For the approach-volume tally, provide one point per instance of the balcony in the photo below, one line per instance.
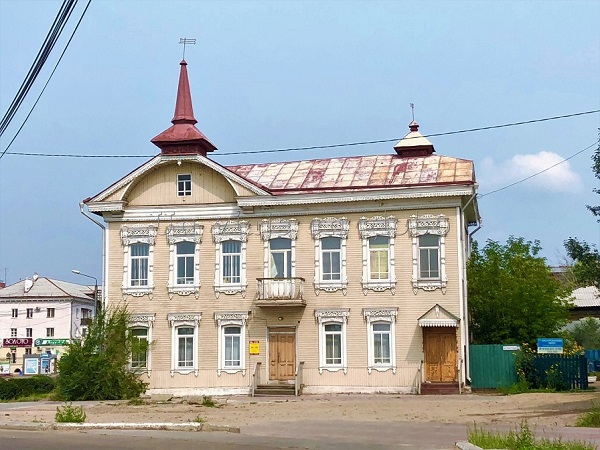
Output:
(280, 292)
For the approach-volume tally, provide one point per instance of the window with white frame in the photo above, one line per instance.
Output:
(428, 233)
(140, 327)
(138, 263)
(184, 342)
(279, 239)
(30, 313)
(28, 332)
(49, 313)
(232, 341)
(184, 185)
(330, 236)
(332, 339)
(378, 236)
(15, 313)
(49, 332)
(184, 260)
(230, 240)
(13, 332)
(381, 338)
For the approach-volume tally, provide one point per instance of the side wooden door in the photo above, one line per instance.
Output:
(439, 345)
(282, 354)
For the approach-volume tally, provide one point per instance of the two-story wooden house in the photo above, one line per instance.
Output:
(340, 274)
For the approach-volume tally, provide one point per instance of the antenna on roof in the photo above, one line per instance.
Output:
(186, 41)
(412, 106)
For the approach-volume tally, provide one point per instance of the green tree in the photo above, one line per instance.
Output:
(586, 262)
(587, 333)
(97, 367)
(596, 169)
(513, 297)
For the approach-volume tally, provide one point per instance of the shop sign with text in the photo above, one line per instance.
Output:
(17, 342)
(50, 342)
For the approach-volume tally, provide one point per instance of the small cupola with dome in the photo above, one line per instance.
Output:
(414, 144)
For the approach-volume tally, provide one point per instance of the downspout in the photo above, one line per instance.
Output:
(101, 225)
(464, 303)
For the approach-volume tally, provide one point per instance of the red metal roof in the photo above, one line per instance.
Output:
(357, 172)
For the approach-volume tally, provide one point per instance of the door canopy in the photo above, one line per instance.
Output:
(438, 317)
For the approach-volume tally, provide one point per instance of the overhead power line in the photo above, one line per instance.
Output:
(317, 147)
(53, 34)
(47, 81)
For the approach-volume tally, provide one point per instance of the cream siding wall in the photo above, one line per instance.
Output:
(159, 186)
(410, 305)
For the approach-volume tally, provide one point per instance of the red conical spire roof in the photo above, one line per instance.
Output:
(183, 137)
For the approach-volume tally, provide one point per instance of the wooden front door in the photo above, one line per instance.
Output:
(439, 344)
(282, 353)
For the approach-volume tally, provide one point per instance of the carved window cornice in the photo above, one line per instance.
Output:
(380, 314)
(180, 319)
(231, 317)
(428, 224)
(330, 227)
(141, 320)
(236, 230)
(278, 228)
(138, 234)
(188, 232)
(377, 226)
(332, 315)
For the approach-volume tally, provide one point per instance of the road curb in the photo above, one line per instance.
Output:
(464, 445)
(165, 426)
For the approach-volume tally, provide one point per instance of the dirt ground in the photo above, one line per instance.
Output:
(547, 409)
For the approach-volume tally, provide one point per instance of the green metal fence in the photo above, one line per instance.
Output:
(562, 372)
(492, 366)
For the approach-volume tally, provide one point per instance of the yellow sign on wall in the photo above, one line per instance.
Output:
(255, 347)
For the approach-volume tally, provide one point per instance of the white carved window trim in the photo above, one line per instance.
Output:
(274, 229)
(138, 234)
(428, 224)
(327, 317)
(185, 232)
(177, 320)
(330, 227)
(380, 315)
(378, 226)
(143, 320)
(236, 230)
(225, 319)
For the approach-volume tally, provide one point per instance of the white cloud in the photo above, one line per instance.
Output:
(559, 178)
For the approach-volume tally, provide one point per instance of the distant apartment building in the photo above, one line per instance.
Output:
(39, 316)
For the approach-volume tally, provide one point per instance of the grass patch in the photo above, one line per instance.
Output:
(70, 414)
(521, 439)
(136, 401)
(199, 419)
(208, 401)
(589, 419)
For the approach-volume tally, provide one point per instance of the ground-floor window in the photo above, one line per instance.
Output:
(184, 342)
(332, 339)
(381, 341)
(232, 341)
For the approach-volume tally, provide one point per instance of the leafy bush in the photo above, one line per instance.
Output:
(97, 367)
(70, 413)
(13, 388)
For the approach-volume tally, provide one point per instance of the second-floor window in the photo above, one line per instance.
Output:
(138, 251)
(232, 262)
(331, 259)
(139, 264)
(378, 235)
(280, 262)
(330, 236)
(428, 234)
(185, 262)
(29, 313)
(15, 313)
(429, 256)
(184, 185)
(230, 266)
(50, 313)
(379, 258)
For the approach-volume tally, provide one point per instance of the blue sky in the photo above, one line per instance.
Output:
(268, 75)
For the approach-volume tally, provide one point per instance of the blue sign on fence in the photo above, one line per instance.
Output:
(550, 345)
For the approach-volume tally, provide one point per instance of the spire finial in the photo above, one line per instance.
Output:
(413, 126)
(186, 41)
(412, 106)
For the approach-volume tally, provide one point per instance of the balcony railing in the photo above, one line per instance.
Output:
(280, 292)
